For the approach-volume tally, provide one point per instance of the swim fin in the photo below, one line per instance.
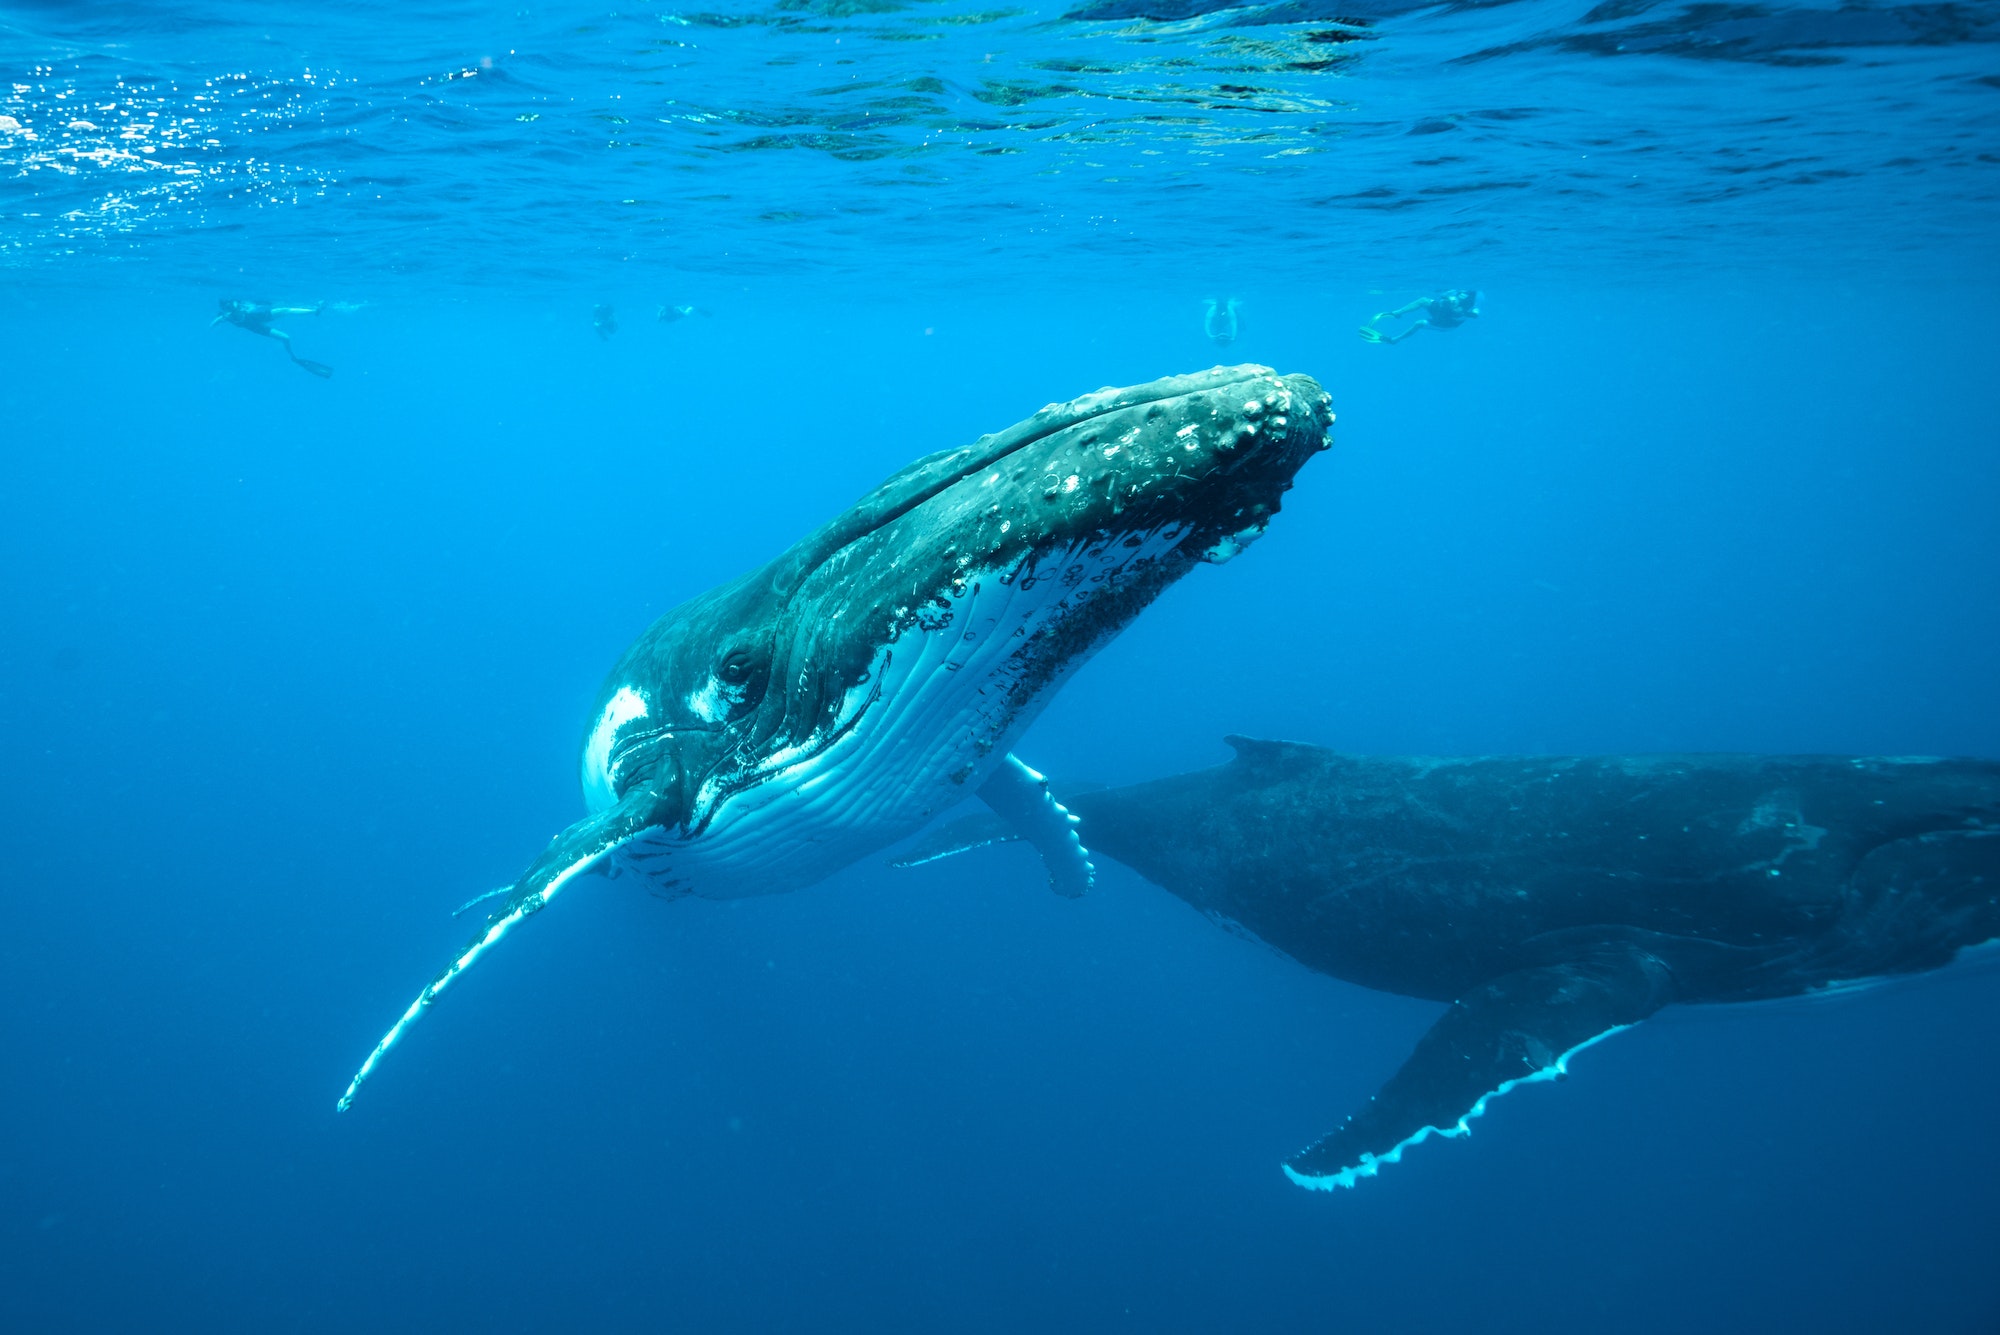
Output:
(320, 369)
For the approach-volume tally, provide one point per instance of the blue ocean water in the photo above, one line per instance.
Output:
(290, 667)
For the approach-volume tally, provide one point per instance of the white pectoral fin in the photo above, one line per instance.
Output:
(1021, 797)
(477, 900)
(960, 836)
(1513, 1029)
(572, 852)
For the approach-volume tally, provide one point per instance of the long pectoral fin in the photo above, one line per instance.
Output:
(1518, 1028)
(477, 900)
(1021, 797)
(959, 836)
(570, 853)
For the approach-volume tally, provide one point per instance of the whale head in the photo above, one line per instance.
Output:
(777, 728)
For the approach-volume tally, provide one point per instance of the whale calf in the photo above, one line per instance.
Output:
(819, 709)
(1553, 901)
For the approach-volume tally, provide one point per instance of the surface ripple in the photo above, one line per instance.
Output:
(473, 142)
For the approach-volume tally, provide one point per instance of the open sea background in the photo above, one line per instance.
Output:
(291, 667)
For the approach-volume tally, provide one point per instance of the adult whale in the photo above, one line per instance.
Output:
(819, 709)
(1556, 900)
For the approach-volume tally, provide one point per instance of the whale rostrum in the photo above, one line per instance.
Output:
(1554, 900)
(782, 726)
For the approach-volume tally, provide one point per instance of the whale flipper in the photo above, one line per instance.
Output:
(1020, 796)
(1512, 1030)
(960, 836)
(575, 850)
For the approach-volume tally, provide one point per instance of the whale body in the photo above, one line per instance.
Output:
(820, 708)
(1555, 900)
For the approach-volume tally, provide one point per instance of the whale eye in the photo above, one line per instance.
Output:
(740, 677)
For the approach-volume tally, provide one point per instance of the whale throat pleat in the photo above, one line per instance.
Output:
(934, 720)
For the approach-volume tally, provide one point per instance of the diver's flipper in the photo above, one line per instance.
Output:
(320, 369)
(1021, 797)
(1517, 1028)
(1371, 335)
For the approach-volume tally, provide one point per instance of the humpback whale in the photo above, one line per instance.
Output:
(1553, 901)
(815, 711)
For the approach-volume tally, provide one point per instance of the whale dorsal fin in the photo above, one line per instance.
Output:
(1274, 759)
(1512, 1030)
(1020, 796)
(1256, 750)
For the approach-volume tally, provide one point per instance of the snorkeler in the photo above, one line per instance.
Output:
(1219, 323)
(256, 316)
(604, 322)
(669, 314)
(1448, 310)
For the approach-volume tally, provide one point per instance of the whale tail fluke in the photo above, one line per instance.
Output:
(1513, 1030)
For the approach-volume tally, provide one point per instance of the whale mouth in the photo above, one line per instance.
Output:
(631, 743)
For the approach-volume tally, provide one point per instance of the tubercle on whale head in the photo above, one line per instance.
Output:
(1171, 468)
